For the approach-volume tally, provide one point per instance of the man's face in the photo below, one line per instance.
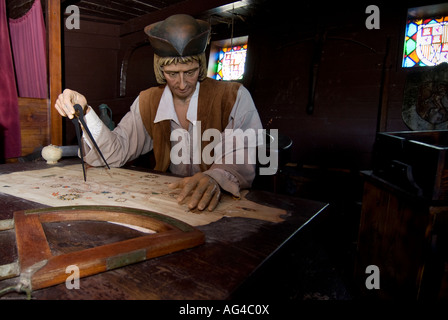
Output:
(182, 78)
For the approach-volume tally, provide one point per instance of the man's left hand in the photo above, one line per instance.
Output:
(206, 192)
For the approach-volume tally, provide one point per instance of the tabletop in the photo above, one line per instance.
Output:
(234, 248)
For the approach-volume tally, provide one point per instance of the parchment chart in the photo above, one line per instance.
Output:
(65, 186)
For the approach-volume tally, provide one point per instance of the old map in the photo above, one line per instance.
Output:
(65, 186)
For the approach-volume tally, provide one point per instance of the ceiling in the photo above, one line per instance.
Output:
(134, 13)
(118, 11)
(125, 11)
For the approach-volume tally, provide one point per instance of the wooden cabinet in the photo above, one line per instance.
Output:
(405, 236)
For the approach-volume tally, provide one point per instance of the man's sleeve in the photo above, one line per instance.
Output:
(126, 142)
(239, 142)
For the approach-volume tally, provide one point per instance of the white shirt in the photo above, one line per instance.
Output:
(130, 139)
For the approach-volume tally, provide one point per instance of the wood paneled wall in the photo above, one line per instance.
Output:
(90, 65)
(341, 130)
(351, 61)
(34, 124)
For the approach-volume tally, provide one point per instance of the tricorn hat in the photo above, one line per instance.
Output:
(179, 35)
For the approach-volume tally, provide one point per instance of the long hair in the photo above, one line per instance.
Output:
(160, 62)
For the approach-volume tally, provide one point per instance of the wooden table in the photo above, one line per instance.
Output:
(233, 250)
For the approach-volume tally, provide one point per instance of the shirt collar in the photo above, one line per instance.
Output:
(166, 110)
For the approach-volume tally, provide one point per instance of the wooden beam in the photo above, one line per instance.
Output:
(191, 7)
(384, 90)
(54, 67)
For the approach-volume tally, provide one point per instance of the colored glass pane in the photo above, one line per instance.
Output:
(231, 63)
(411, 30)
(410, 46)
(426, 42)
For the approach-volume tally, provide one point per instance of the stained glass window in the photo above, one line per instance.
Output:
(426, 42)
(230, 63)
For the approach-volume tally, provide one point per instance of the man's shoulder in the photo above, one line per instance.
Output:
(149, 99)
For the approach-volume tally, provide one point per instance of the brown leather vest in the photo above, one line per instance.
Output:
(215, 102)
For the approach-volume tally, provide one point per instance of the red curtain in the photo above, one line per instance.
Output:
(28, 39)
(10, 143)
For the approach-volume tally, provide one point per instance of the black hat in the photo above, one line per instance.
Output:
(179, 35)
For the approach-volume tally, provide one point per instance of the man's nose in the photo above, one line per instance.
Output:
(182, 82)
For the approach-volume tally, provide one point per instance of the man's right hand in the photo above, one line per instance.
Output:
(66, 100)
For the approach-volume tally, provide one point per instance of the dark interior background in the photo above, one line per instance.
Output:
(359, 89)
(350, 89)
